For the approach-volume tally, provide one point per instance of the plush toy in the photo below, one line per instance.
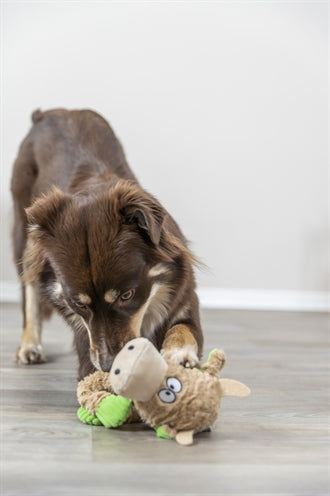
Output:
(176, 401)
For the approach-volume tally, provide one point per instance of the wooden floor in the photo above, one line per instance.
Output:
(273, 443)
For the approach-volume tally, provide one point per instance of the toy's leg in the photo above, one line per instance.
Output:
(180, 346)
(93, 389)
(113, 410)
(85, 417)
(98, 401)
(111, 417)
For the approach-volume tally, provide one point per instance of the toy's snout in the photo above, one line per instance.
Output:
(138, 370)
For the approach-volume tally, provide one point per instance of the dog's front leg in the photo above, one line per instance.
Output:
(30, 350)
(180, 346)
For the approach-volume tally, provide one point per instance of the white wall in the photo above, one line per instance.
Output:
(222, 110)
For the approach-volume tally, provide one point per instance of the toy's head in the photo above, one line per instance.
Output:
(176, 401)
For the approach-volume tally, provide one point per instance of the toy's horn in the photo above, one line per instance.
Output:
(230, 387)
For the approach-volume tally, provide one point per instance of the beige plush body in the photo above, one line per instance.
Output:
(196, 405)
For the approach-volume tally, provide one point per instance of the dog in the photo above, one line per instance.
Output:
(92, 244)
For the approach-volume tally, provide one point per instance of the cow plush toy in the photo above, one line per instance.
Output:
(176, 401)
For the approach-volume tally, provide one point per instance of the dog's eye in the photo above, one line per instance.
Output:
(81, 306)
(82, 301)
(127, 295)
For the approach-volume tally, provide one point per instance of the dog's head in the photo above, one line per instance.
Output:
(108, 261)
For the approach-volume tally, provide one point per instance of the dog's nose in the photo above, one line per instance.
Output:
(106, 364)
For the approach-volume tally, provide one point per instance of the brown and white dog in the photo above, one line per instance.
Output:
(91, 243)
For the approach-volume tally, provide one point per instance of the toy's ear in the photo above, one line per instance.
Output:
(230, 387)
(185, 438)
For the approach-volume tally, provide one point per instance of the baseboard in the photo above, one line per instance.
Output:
(244, 299)
(250, 299)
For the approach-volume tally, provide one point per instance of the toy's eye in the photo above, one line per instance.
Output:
(127, 295)
(166, 396)
(174, 384)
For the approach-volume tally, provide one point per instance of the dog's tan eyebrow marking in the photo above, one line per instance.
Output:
(84, 299)
(157, 270)
(111, 295)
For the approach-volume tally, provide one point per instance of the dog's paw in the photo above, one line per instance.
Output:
(185, 356)
(30, 353)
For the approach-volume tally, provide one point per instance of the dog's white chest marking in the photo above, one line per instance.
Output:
(156, 310)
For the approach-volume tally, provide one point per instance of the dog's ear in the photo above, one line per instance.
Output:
(147, 217)
(140, 208)
(44, 213)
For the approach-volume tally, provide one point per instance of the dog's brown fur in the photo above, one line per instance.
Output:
(89, 241)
